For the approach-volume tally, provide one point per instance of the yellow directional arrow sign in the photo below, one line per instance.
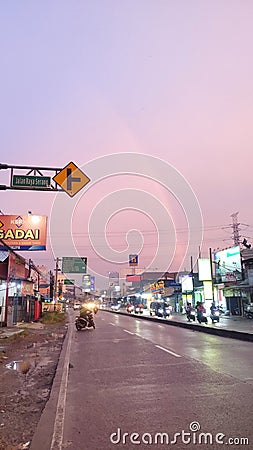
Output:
(71, 179)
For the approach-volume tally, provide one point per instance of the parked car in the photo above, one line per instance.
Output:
(115, 306)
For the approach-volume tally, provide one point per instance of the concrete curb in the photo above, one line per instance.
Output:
(232, 334)
(42, 439)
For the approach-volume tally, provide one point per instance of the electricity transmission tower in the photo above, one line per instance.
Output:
(235, 228)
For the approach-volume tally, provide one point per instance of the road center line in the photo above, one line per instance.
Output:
(129, 332)
(169, 351)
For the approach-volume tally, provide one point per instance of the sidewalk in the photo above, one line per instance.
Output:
(6, 332)
(229, 326)
(234, 327)
(233, 323)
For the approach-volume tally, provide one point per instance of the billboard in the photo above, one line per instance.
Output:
(17, 266)
(134, 278)
(204, 269)
(187, 283)
(23, 232)
(133, 260)
(114, 276)
(208, 290)
(27, 288)
(158, 287)
(113, 279)
(86, 282)
(228, 264)
(167, 287)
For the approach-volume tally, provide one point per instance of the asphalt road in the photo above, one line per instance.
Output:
(133, 376)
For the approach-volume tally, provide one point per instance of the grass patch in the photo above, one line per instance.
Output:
(16, 336)
(53, 317)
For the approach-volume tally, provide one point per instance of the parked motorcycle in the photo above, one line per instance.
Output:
(138, 309)
(201, 313)
(191, 315)
(215, 315)
(130, 308)
(166, 311)
(190, 312)
(84, 322)
(202, 318)
(163, 310)
(248, 312)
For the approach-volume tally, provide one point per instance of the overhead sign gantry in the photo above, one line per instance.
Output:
(69, 179)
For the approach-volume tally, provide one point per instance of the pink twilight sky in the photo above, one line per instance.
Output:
(165, 78)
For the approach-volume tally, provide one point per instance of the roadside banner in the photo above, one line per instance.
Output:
(17, 266)
(23, 232)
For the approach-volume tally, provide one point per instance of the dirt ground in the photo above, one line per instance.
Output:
(25, 386)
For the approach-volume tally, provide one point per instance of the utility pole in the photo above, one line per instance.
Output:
(56, 281)
(193, 283)
(211, 267)
(51, 285)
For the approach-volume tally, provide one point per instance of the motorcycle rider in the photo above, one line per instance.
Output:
(213, 308)
(189, 309)
(200, 310)
(86, 312)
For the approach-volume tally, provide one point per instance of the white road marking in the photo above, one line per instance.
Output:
(57, 438)
(169, 351)
(137, 334)
(158, 346)
(160, 326)
(128, 332)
